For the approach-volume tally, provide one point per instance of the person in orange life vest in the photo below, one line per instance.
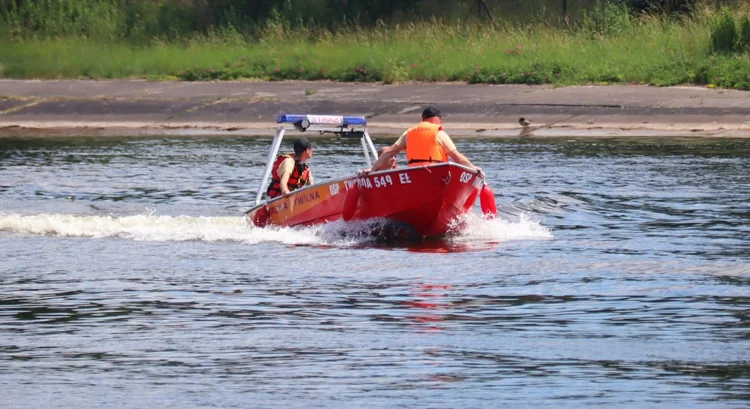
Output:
(425, 143)
(290, 172)
(391, 162)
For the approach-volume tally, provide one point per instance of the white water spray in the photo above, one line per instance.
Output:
(150, 227)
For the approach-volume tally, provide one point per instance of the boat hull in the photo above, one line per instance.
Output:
(421, 200)
(315, 204)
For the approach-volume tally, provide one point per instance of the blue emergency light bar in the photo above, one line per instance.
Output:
(324, 120)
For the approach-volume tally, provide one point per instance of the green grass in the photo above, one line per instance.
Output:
(644, 50)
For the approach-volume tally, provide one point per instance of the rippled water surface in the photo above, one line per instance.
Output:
(617, 276)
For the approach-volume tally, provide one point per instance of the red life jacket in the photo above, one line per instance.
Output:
(300, 176)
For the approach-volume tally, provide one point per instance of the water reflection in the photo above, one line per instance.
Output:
(436, 246)
(428, 305)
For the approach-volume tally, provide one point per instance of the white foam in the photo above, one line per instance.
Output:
(151, 227)
(476, 227)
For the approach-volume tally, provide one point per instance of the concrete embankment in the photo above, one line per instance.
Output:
(136, 107)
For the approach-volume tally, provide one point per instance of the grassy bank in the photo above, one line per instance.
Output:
(611, 47)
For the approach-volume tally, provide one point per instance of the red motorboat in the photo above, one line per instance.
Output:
(416, 201)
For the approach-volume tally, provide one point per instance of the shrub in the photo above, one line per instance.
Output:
(362, 73)
(607, 18)
(724, 32)
(745, 33)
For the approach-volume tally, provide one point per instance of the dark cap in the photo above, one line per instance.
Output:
(430, 112)
(303, 144)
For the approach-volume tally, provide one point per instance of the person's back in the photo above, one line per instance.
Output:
(424, 144)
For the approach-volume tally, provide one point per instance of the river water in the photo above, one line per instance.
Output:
(617, 276)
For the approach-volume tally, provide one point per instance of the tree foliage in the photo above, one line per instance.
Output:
(148, 19)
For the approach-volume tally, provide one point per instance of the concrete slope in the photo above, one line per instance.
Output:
(145, 107)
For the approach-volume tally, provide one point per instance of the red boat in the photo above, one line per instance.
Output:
(414, 201)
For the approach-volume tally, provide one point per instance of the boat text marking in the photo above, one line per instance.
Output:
(334, 189)
(376, 181)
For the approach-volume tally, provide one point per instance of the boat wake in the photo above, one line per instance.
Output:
(471, 228)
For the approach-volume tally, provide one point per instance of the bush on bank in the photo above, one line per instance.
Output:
(609, 43)
(138, 21)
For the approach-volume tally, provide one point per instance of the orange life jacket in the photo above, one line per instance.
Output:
(422, 144)
(300, 176)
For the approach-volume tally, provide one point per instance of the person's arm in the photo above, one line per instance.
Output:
(459, 157)
(382, 162)
(454, 154)
(284, 172)
(285, 183)
(393, 150)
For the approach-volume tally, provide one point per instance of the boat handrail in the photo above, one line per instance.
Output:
(343, 126)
